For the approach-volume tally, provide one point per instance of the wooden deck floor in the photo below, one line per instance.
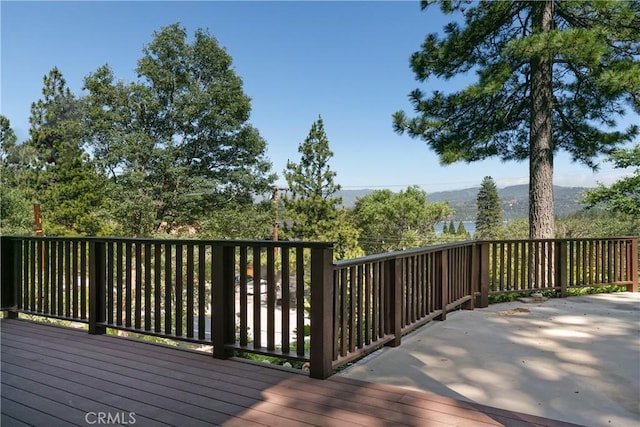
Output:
(53, 376)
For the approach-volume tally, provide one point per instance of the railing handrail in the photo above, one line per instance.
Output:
(181, 241)
(402, 254)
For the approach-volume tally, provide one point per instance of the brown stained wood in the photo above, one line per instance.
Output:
(168, 280)
(157, 287)
(179, 306)
(202, 301)
(147, 286)
(54, 376)
(285, 299)
(137, 289)
(189, 284)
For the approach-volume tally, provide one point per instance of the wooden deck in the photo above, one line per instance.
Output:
(54, 376)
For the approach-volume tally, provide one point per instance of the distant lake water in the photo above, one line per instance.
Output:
(470, 226)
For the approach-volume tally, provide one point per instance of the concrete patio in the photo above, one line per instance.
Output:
(575, 359)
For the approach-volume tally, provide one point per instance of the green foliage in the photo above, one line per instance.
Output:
(53, 168)
(570, 75)
(462, 231)
(452, 228)
(312, 203)
(251, 222)
(15, 209)
(176, 143)
(624, 195)
(489, 217)
(597, 223)
(397, 221)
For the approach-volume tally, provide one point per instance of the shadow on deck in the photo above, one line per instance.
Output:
(55, 376)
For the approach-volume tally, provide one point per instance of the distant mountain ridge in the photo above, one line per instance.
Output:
(515, 200)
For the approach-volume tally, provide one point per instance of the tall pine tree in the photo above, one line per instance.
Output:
(489, 217)
(551, 75)
(57, 171)
(312, 203)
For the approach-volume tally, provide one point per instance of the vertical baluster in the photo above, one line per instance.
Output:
(244, 341)
(202, 297)
(110, 284)
(271, 299)
(168, 285)
(147, 286)
(84, 271)
(128, 267)
(189, 285)
(179, 309)
(157, 287)
(119, 283)
(300, 273)
(139, 286)
(285, 299)
(257, 312)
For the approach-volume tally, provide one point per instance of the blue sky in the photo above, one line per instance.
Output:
(347, 61)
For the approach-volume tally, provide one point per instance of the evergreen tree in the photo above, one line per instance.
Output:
(462, 231)
(489, 218)
(312, 203)
(552, 75)
(452, 228)
(57, 171)
(15, 209)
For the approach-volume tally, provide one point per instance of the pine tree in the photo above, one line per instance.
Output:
(312, 201)
(59, 173)
(452, 228)
(462, 231)
(489, 218)
(551, 75)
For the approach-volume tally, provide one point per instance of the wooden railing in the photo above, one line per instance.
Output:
(288, 299)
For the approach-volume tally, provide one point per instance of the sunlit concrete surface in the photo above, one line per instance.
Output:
(575, 359)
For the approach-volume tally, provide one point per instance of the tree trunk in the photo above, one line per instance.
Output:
(541, 222)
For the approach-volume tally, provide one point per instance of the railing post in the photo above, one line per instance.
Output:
(632, 264)
(484, 274)
(474, 277)
(322, 315)
(444, 283)
(393, 281)
(9, 257)
(223, 320)
(97, 288)
(561, 266)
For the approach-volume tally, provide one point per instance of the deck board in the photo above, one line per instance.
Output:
(55, 376)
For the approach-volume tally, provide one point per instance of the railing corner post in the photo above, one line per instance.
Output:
(8, 279)
(322, 316)
(222, 323)
(97, 288)
(633, 265)
(484, 274)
